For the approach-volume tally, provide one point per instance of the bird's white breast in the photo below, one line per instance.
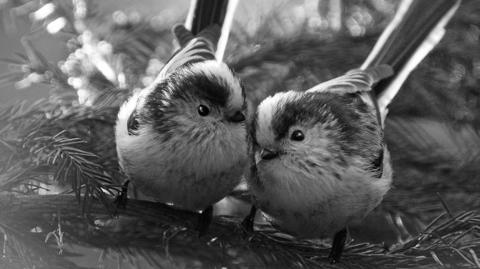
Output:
(316, 206)
(189, 176)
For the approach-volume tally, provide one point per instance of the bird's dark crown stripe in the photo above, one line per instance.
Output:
(304, 110)
(213, 89)
(187, 86)
(313, 108)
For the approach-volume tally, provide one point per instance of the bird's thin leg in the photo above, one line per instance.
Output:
(204, 220)
(248, 222)
(122, 198)
(338, 245)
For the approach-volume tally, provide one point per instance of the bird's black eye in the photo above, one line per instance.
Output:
(133, 124)
(203, 110)
(297, 135)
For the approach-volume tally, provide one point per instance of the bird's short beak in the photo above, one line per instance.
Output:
(268, 154)
(237, 117)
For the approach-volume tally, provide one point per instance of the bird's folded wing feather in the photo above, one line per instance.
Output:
(356, 80)
(194, 48)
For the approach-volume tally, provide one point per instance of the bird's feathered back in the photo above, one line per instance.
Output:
(193, 48)
(356, 80)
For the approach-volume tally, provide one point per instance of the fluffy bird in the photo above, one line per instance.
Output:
(182, 139)
(318, 157)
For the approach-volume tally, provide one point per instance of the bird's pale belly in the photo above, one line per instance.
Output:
(187, 191)
(316, 221)
(314, 207)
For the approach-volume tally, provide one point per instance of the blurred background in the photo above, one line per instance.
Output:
(54, 49)
(18, 17)
(83, 58)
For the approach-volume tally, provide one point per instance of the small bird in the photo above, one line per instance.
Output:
(182, 140)
(318, 158)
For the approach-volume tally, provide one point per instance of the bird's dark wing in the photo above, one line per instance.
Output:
(197, 49)
(199, 37)
(182, 35)
(354, 81)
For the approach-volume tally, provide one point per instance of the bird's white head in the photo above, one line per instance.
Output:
(193, 120)
(315, 135)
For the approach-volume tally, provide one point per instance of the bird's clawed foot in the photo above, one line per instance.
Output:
(204, 220)
(248, 221)
(337, 246)
(122, 199)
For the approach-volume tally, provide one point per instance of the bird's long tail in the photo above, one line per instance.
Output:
(415, 30)
(204, 13)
